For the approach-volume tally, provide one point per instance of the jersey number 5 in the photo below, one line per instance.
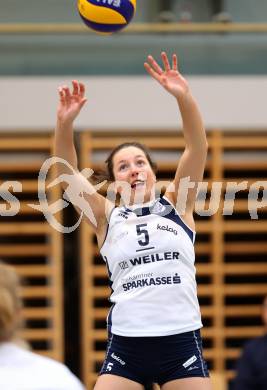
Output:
(140, 230)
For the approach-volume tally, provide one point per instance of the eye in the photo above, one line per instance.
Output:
(122, 167)
(140, 163)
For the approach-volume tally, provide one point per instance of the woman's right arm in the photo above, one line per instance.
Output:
(69, 107)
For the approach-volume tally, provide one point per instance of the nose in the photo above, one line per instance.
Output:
(134, 173)
(135, 170)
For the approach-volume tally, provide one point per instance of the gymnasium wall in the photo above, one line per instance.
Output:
(246, 10)
(134, 102)
(78, 52)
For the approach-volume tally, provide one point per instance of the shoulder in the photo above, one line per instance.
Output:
(60, 373)
(47, 369)
(48, 372)
(252, 349)
(104, 224)
(254, 344)
(186, 217)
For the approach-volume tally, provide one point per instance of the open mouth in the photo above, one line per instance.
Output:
(138, 184)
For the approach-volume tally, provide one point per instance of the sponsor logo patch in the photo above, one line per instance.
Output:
(190, 361)
(122, 362)
(167, 228)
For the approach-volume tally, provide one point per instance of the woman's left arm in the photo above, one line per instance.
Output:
(192, 162)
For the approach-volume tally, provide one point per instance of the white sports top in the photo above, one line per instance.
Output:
(21, 369)
(149, 254)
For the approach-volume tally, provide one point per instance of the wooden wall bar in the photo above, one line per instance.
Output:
(30, 244)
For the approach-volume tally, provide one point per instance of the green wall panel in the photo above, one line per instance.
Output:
(125, 54)
(87, 54)
(59, 11)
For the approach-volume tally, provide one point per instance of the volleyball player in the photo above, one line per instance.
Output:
(154, 323)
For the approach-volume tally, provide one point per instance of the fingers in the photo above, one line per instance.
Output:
(75, 85)
(61, 95)
(67, 95)
(82, 103)
(82, 89)
(155, 66)
(156, 71)
(167, 64)
(165, 61)
(174, 62)
(78, 88)
(152, 72)
(78, 92)
(64, 95)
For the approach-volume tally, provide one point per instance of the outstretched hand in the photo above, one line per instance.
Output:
(169, 78)
(70, 103)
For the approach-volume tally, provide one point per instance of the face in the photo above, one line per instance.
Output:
(130, 165)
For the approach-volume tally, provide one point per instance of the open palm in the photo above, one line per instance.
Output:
(70, 103)
(169, 78)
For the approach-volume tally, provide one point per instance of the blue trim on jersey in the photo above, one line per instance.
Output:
(142, 211)
(173, 216)
(109, 319)
(109, 274)
(107, 228)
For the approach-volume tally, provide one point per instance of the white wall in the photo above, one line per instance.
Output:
(134, 103)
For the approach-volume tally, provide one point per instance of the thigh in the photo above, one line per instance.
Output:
(114, 382)
(188, 384)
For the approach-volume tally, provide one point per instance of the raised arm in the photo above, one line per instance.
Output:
(70, 104)
(192, 161)
(79, 190)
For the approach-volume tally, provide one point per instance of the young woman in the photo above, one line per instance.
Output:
(148, 249)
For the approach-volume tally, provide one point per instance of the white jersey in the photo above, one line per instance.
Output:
(21, 369)
(149, 253)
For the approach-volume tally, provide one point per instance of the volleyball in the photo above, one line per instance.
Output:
(106, 16)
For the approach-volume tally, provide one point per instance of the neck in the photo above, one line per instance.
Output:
(141, 199)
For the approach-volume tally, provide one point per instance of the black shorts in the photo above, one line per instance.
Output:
(155, 359)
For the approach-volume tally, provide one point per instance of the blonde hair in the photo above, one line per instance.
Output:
(10, 302)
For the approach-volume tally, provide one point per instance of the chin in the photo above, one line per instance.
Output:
(140, 197)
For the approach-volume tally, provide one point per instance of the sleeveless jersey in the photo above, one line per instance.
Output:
(149, 253)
